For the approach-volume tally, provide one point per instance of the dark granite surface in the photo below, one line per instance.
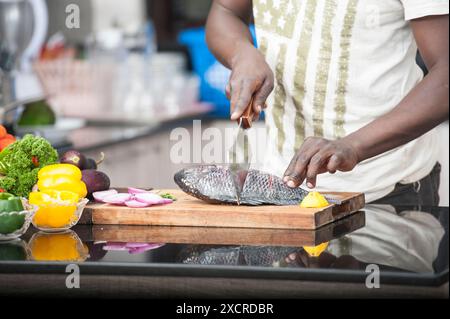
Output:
(409, 245)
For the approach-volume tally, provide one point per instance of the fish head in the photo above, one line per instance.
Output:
(208, 182)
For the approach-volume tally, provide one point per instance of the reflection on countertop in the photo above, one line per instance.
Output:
(405, 243)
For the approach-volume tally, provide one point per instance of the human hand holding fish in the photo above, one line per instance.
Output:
(318, 155)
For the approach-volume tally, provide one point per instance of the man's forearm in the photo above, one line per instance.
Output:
(227, 29)
(230, 40)
(425, 107)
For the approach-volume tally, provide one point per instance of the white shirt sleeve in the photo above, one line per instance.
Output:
(421, 8)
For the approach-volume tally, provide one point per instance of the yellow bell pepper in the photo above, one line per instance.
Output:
(55, 208)
(62, 177)
(57, 247)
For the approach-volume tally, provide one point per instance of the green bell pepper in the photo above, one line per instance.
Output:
(10, 203)
(10, 222)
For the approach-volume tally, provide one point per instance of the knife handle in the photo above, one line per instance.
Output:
(247, 116)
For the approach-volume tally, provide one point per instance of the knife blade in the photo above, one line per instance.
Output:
(240, 155)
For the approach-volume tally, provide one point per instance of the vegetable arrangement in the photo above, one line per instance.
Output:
(29, 169)
(37, 187)
(21, 161)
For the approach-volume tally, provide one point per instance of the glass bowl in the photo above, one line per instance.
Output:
(15, 224)
(14, 250)
(59, 247)
(58, 217)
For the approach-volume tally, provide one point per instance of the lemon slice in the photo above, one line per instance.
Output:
(316, 251)
(314, 200)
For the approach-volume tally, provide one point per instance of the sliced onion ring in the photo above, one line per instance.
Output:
(150, 198)
(136, 204)
(117, 199)
(100, 196)
(132, 190)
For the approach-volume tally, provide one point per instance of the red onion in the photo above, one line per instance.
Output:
(135, 198)
(132, 190)
(150, 198)
(135, 204)
(117, 199)
(100, 196)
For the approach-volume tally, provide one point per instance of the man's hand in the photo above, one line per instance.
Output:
(250, 77)
(229, 38)
(317, 156)
(425, 107)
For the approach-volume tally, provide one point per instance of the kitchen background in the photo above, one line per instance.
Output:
(120, 83)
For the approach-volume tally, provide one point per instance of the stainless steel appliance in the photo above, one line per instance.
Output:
(23, 27)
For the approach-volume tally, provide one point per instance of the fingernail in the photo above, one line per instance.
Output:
(234, 116)
(285, 179)
(310, 185)
(259, 108)
(291, 184)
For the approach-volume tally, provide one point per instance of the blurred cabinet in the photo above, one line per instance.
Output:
(143, 162)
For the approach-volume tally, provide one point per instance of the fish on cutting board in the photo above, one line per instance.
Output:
(214, 184)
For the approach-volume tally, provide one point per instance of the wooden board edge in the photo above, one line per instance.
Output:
(103, 218)
(228, 236)
(336, 212)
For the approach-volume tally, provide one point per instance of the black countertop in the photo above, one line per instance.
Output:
(409, 245)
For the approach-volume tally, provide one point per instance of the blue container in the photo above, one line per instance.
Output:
(213, 75)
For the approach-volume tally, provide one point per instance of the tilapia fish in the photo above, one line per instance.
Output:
(214, 184)
(235, 255)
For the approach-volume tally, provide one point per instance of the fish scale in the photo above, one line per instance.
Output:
(236, 255)
(214, 184)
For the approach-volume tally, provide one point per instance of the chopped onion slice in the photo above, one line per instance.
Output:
(135, 204)
(150, 198)
(117, 199)
(132, 190)
(100, 196)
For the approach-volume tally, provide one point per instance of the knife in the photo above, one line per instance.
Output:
(240, 151)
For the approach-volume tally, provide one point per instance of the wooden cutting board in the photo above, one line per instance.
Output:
(226, 236)
(189, 211)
